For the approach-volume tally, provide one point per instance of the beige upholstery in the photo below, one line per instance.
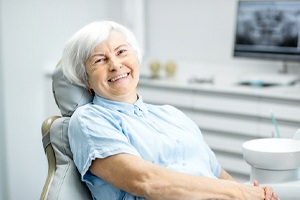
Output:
(63, 180)
(50, 156)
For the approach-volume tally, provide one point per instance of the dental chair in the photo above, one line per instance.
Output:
(63, 180)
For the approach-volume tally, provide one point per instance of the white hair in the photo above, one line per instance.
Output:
(83, 42)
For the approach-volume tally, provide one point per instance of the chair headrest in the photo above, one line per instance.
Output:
(68, 97)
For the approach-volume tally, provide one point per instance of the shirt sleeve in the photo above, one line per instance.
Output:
(214, 163)
(94, 133)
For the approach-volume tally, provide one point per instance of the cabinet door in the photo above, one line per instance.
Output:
(229, 113)
(286, 112)
(226, 103)
(227, 123)
(156, 95)
(286, 129)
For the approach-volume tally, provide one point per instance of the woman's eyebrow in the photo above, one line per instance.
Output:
(97, 54)
(122, 45)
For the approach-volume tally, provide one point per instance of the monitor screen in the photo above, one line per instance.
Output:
(268, 29)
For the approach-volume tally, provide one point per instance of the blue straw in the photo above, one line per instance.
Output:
(275, 123)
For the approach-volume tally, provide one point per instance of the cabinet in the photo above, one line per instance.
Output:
(230, 115)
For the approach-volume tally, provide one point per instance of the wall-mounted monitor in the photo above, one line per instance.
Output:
(268, 29)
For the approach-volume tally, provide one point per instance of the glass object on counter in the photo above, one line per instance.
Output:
(154, 68)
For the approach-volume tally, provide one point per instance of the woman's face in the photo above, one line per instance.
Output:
(113, 69)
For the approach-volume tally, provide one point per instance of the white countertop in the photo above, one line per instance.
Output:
(276, 92)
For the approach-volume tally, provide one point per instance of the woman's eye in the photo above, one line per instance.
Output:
(121, 51)
(100, 60)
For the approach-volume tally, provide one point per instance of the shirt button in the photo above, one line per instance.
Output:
(139, 113)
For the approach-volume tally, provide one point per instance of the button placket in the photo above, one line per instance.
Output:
(138, 111)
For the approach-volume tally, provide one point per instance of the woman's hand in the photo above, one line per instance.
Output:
(269, 194)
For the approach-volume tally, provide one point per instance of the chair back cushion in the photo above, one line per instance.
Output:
(66, 183)
(68, 97)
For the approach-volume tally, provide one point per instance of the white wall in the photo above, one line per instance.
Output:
(198, 35)
(190, 30)
(33, 34)
(2, 135)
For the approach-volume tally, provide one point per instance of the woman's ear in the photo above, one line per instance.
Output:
(91, 91)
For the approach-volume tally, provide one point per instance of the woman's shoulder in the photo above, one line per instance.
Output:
(90, 111)
(88, 108)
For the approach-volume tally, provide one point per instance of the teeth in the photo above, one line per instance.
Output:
(118, 77)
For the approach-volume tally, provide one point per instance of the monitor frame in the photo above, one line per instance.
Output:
(269, 51)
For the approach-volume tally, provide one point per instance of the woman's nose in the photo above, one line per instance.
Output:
(115, 64)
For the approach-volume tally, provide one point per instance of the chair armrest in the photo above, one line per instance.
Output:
(50, 155)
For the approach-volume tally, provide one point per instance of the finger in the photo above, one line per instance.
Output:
(256, 183)
(275, 197)
(268, 193)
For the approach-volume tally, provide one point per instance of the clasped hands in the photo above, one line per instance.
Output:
(269, 194)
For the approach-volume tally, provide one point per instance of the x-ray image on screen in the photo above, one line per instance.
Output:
(268, 29)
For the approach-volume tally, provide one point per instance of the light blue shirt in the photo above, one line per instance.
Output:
(160, 134)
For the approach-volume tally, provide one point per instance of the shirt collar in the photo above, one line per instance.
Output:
(137, 108)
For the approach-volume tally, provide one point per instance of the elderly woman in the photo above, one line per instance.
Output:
(127, 149)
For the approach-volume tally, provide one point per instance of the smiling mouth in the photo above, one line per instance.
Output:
(118, 77)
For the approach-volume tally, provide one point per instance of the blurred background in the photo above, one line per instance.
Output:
(196, 34)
